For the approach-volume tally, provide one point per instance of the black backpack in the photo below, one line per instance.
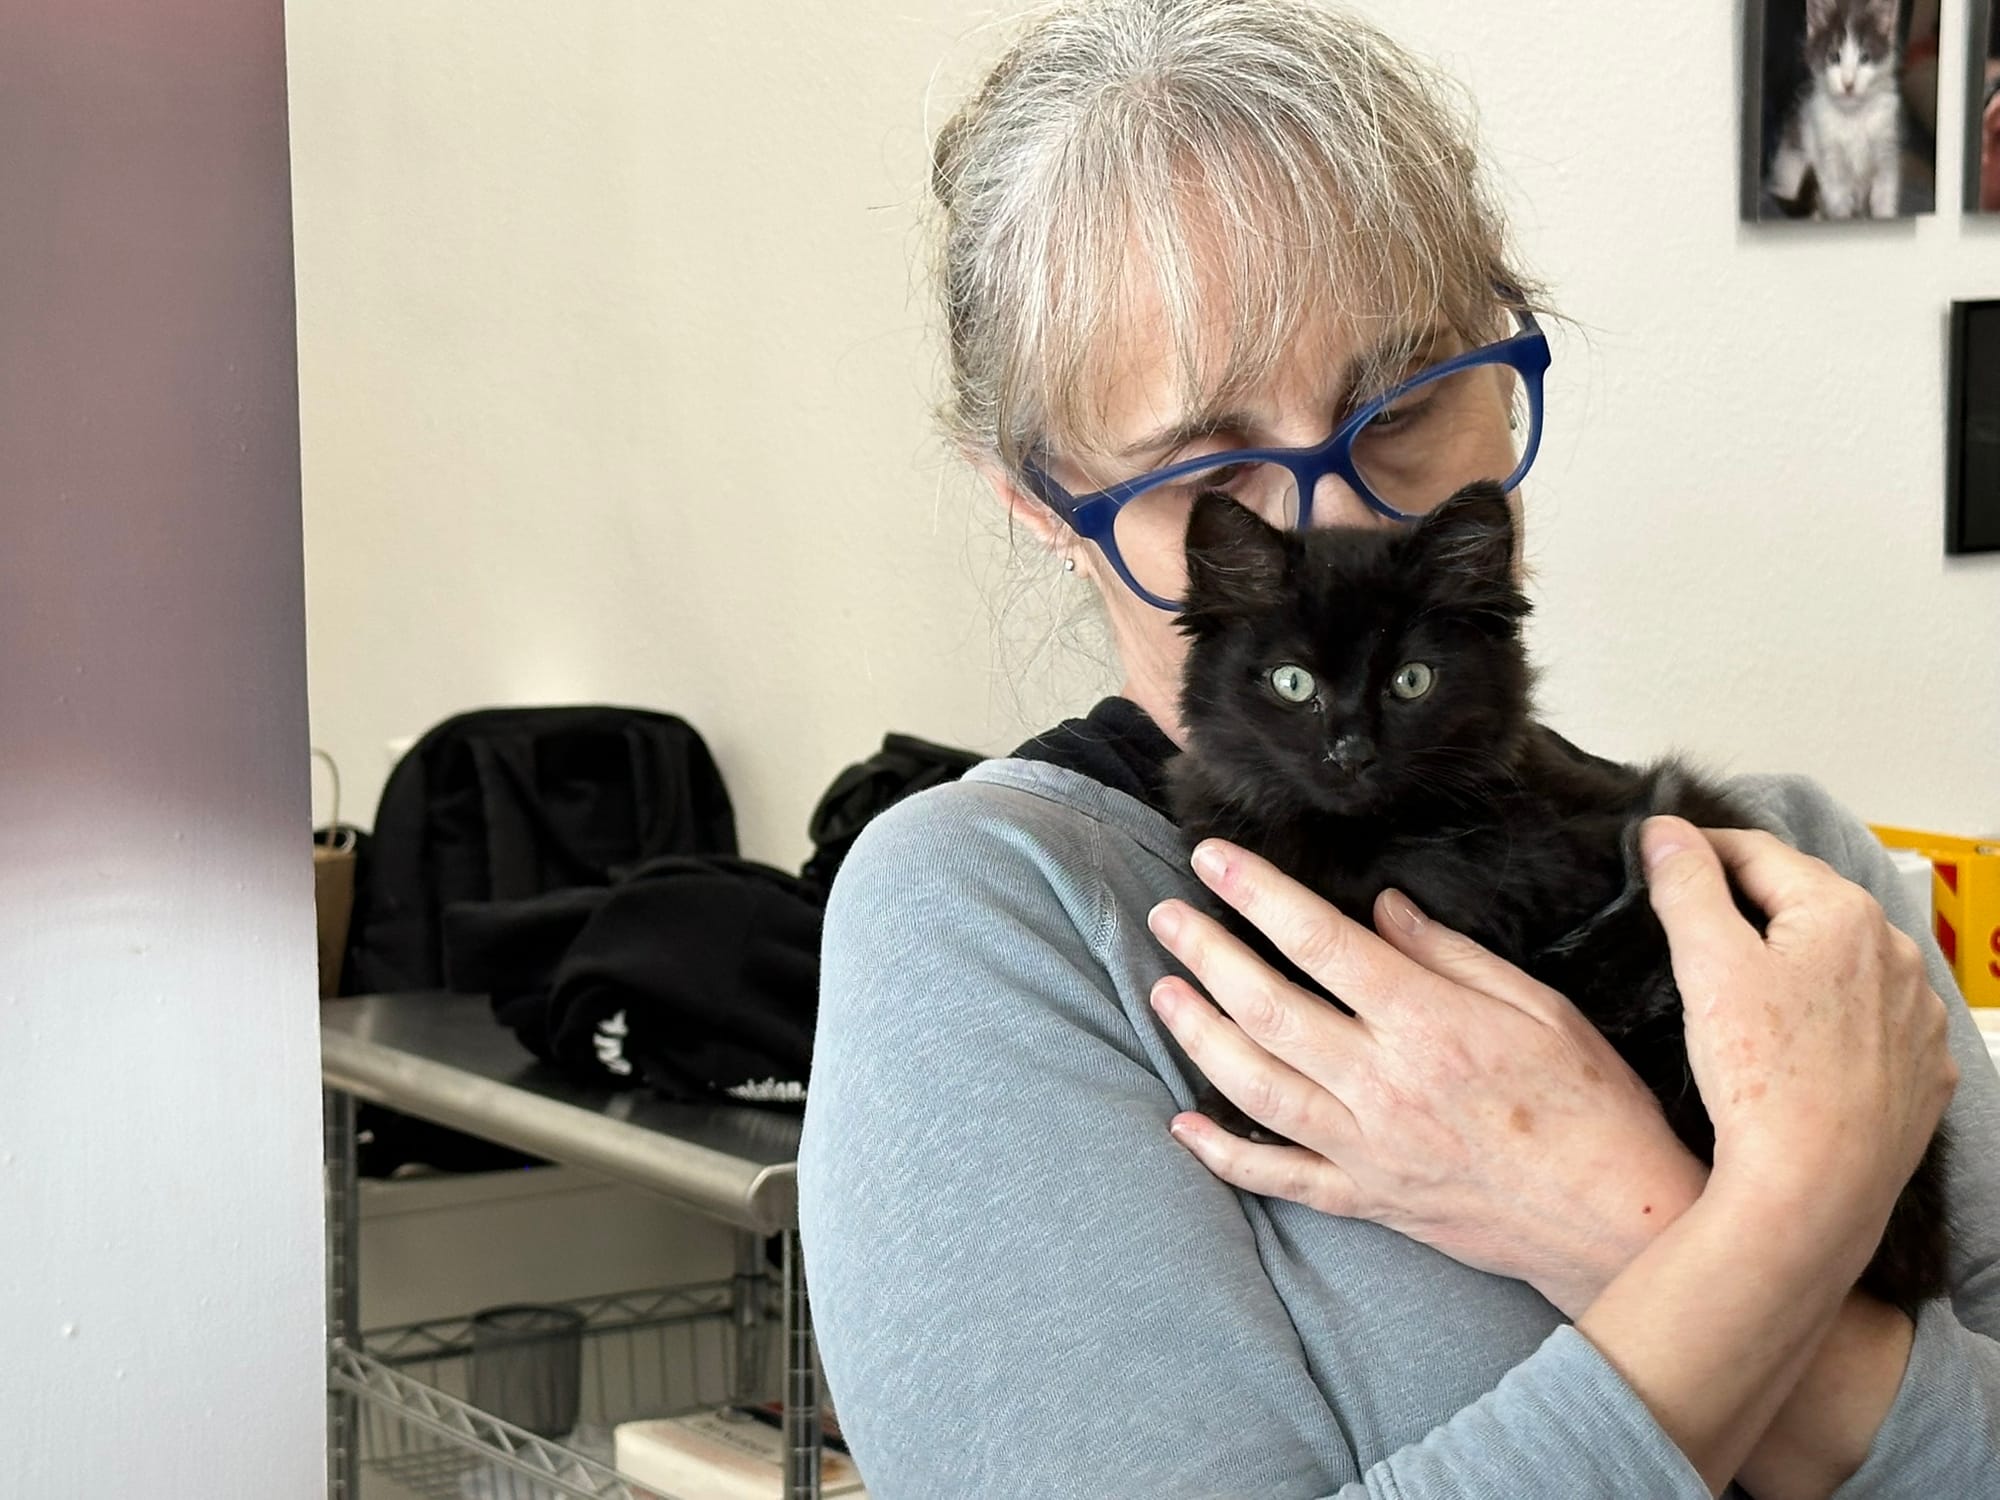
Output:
(507, 803)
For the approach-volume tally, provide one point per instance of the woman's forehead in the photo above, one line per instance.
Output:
(1151, 378)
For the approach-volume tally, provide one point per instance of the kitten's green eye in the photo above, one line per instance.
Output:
(1292, 683)
(1412, 680)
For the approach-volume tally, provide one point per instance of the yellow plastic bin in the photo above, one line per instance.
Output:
(1965, 894)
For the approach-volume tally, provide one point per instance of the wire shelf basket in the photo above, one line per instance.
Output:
(657, 1353)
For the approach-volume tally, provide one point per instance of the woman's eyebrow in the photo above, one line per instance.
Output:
(1181, 432)
(1401, 349)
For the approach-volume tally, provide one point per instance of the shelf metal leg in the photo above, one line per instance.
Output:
(752, 1322)
(343, 1291)
(802, 1431)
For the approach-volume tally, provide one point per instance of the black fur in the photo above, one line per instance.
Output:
(1491, 823)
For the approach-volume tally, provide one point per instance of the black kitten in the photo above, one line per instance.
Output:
(1357, 706)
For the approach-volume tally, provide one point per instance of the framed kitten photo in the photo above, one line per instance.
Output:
(1840, 113)
(1982, 95)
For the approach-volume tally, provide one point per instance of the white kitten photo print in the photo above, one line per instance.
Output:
(1840, 115)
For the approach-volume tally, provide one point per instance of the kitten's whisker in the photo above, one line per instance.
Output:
(1463, 774)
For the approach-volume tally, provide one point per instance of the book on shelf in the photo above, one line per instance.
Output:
(726, 1453)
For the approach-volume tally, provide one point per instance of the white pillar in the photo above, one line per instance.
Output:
(160, 1303)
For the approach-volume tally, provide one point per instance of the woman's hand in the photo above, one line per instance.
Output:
(1819, 1046)
(1463, 1104)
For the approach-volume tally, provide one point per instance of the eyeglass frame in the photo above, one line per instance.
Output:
(1094, 516)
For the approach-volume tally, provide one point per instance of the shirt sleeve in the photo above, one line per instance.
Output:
(1942, 1435)
(1023, 1287)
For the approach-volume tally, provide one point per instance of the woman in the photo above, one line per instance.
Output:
(1173, 228)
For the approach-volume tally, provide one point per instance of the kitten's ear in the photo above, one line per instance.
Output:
(1819, 13)
(1471, 534)
(1465, 549)
(1235, 560)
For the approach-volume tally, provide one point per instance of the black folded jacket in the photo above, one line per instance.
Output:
(696, 975)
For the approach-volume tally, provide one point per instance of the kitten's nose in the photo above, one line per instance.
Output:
(1351, 752)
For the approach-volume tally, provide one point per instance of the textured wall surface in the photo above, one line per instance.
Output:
(161, 1304)
(616, 357)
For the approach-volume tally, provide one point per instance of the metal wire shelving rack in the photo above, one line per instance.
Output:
(401, 1426)
(659, 1352)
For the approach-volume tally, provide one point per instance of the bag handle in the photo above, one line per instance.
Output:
(337, 838)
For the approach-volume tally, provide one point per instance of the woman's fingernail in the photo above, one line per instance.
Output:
(1180, 1132)
(1165, 921)
(1658, 840)
(1165, 1000)
(1208, 861)
(1402, 911)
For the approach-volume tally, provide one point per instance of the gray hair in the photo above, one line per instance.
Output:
(1308, 163)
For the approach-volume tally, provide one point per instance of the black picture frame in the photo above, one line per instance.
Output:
(1755, 126)
(1972, 430)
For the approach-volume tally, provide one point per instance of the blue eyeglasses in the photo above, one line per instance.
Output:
(1404, 453)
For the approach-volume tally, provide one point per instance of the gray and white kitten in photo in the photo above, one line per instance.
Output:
(1843, 143)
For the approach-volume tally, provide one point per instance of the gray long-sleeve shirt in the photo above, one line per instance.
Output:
(1024, 1287)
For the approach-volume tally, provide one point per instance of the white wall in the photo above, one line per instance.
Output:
(616, 363)
(161, 1308)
